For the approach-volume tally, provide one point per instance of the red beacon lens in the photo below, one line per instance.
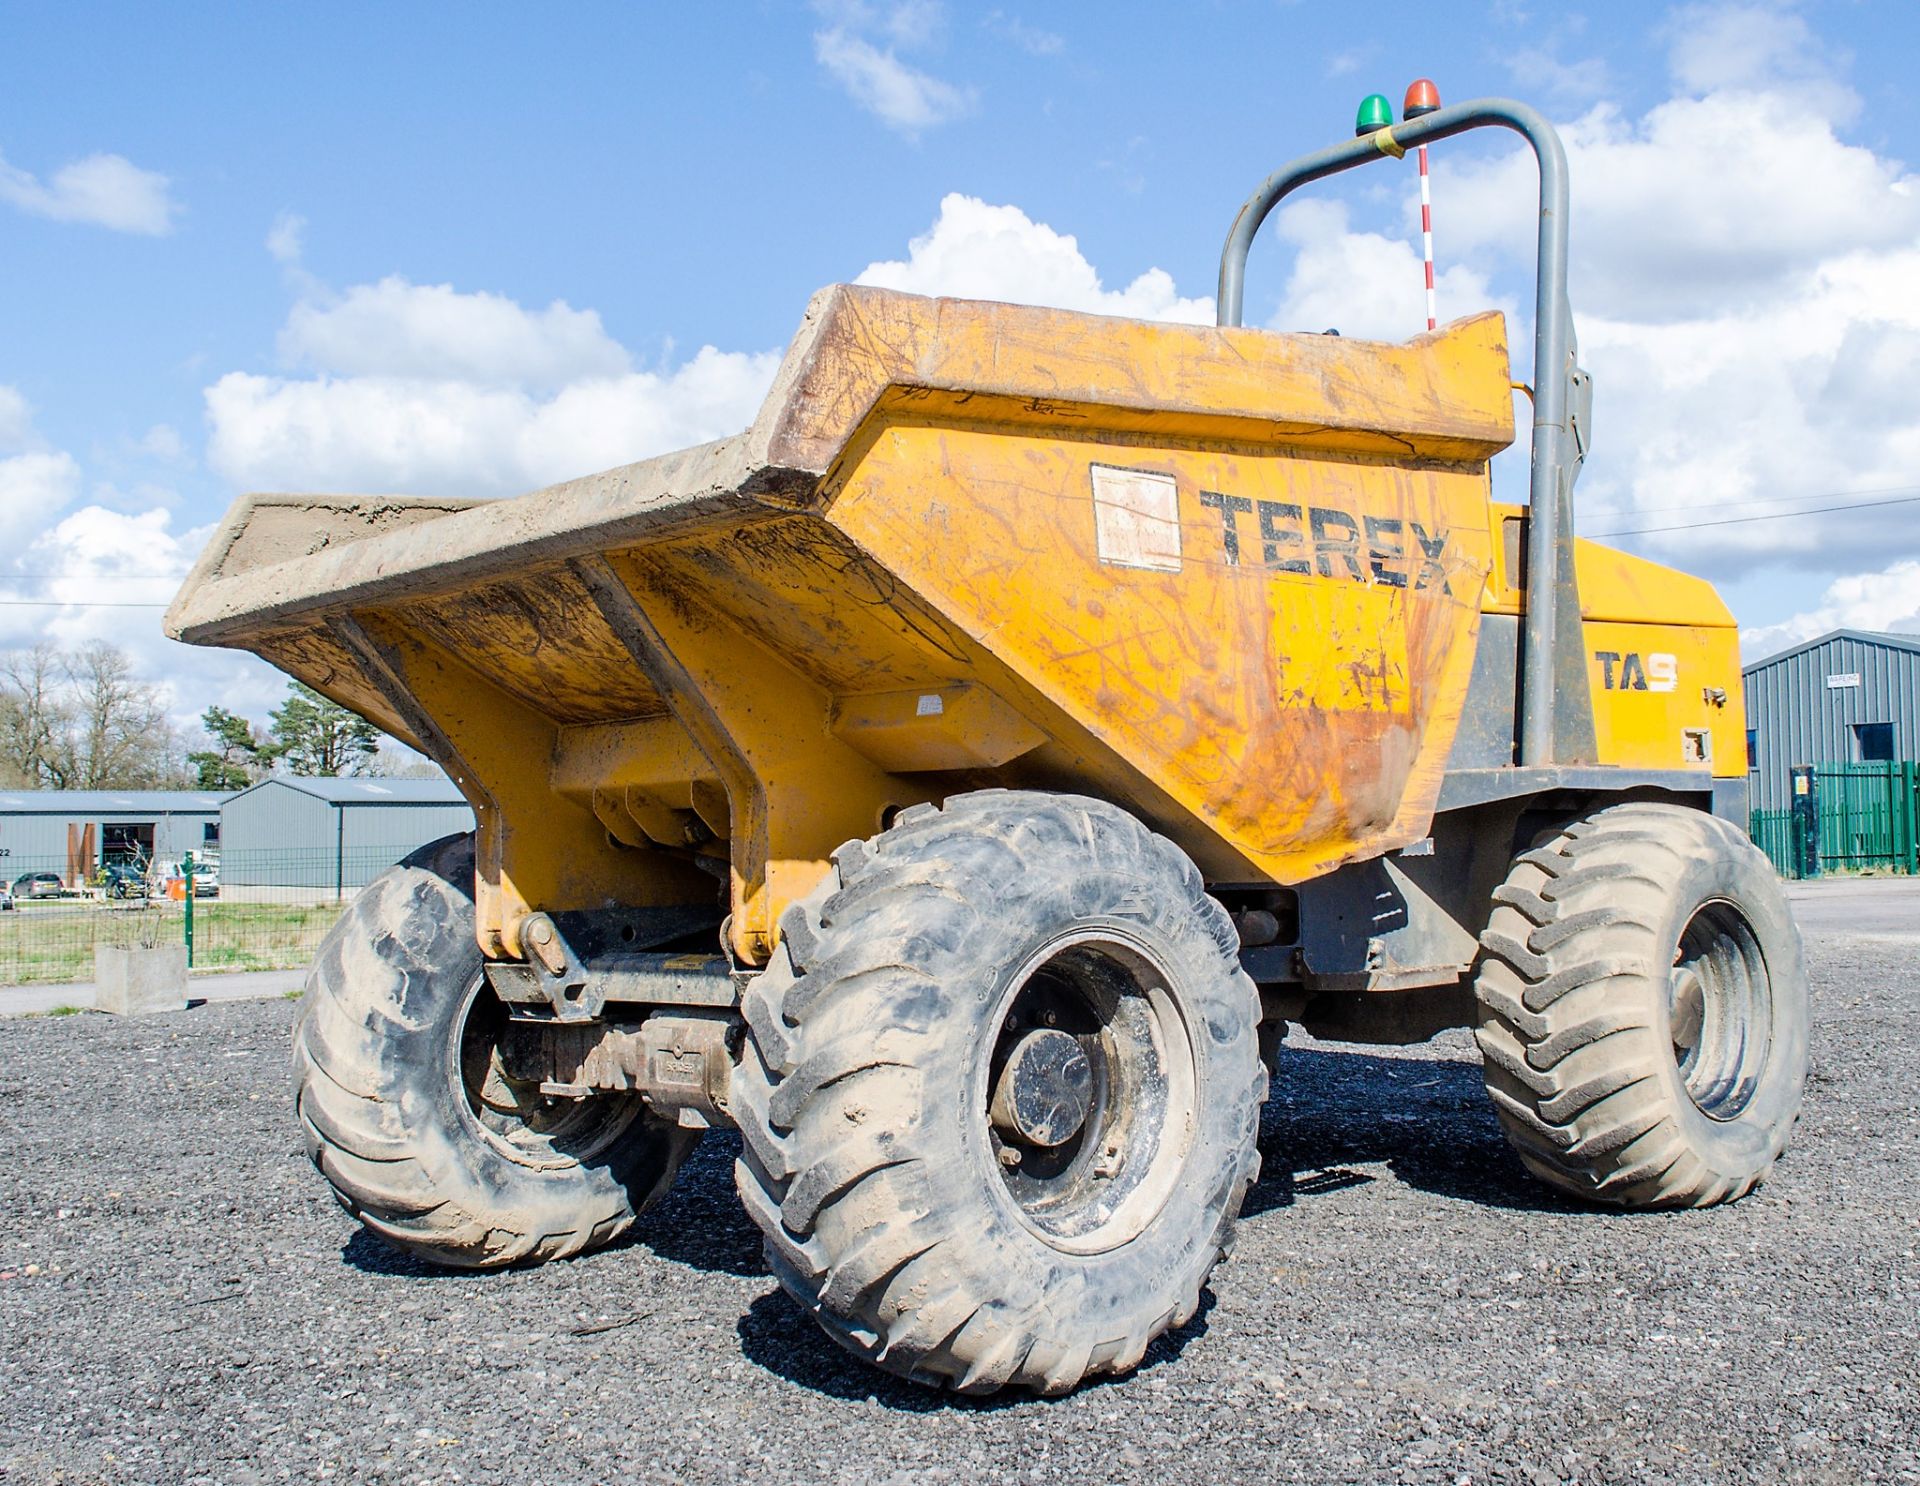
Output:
(1422, 98)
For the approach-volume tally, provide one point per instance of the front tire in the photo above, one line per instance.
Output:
(1643, 1009)
(409, 1113)
(1001, 1092)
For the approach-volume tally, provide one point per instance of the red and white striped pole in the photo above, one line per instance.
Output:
(1424, 98)
(1426, 235)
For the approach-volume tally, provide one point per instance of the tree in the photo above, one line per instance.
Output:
(32, 714)
(120, 737)
(320, 737)
(81, 720)
(239, 755)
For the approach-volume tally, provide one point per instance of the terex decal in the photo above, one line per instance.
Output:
(1626, 671)
(1329, 541)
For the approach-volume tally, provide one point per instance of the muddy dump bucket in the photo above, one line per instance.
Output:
(1227, 578)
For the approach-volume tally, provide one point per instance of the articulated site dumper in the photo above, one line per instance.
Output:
(958, 781)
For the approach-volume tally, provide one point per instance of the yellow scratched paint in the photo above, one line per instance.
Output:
(1295, 696)
(1635, 608)
(1653, 683)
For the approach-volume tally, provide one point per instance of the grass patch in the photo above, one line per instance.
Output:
(54, 942)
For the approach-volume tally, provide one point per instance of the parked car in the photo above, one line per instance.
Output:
(38, 885)
(120, 880)
(206, 882)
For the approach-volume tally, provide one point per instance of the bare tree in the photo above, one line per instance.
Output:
(82, 720)
(34, 715)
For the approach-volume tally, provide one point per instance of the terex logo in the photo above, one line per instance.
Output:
(1328, 541)
(1628, 672)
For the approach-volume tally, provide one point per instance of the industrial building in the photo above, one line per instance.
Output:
(1851, 697)
(294, 838)
(73, 833)
(1833, 736)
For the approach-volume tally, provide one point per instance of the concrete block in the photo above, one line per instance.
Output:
(133, 982)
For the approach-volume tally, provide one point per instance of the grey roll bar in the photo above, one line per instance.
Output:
(1556, 709)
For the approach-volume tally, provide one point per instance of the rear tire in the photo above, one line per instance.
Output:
(1643, 1009)
(1000, 1094)
(408, 1114)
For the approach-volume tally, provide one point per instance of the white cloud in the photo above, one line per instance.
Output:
(1792, 405)
(1770, 48)
(447, 437)
(1346, 63)
(1704, 202)
(1542, 70)
(912, 24)
(978, 251)
(1363, 284)
(34, 487)
(902, 97)
(162, 442)
(130, 559)
(287, 238)
(16, 419)
(104, 190)
(1887, 600)
(424, 389)
(1029, 39)
(433, 332)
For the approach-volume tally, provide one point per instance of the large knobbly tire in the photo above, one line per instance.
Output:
(1004, 928)
(1643, 1009)
(410, 1119)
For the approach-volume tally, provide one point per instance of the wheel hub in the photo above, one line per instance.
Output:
(1687, 1011)
(1044, 1090)
(1719, 1010)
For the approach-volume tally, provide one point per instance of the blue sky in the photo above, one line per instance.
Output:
(477, 248)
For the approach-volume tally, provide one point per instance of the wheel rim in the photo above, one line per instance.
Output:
(1087, 1091)
(1719, 1010)
(509, 1111)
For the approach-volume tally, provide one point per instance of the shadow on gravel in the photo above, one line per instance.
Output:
(1428, 1122)
(371, 1254)
(779, 1336)
(700, 1222)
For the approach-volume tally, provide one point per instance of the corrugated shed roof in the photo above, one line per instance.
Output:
(440, 791)
(111, 802)
(1870, 637)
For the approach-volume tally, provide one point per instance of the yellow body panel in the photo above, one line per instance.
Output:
(1295, 699)
(1232, 580)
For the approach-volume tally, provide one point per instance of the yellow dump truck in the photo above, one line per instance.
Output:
(959, 780)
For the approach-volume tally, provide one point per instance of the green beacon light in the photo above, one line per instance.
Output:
(1375, 114)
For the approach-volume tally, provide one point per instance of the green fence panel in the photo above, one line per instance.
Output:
(1772, 831)
(1861, 816)
(1869, 816)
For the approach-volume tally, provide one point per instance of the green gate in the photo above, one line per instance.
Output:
(1855, 817)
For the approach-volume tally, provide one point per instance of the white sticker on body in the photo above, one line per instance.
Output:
(1136, 518)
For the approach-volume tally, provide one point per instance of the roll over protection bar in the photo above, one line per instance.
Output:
(1556, 708)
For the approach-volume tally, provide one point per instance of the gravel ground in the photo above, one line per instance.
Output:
(180, 1300)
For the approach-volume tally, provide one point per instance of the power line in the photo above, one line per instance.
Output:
(1642, 531)
(1773, 500)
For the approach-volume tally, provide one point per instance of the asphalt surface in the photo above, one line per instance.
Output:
(1882, 908)
(180, 1300)
(239, 985)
